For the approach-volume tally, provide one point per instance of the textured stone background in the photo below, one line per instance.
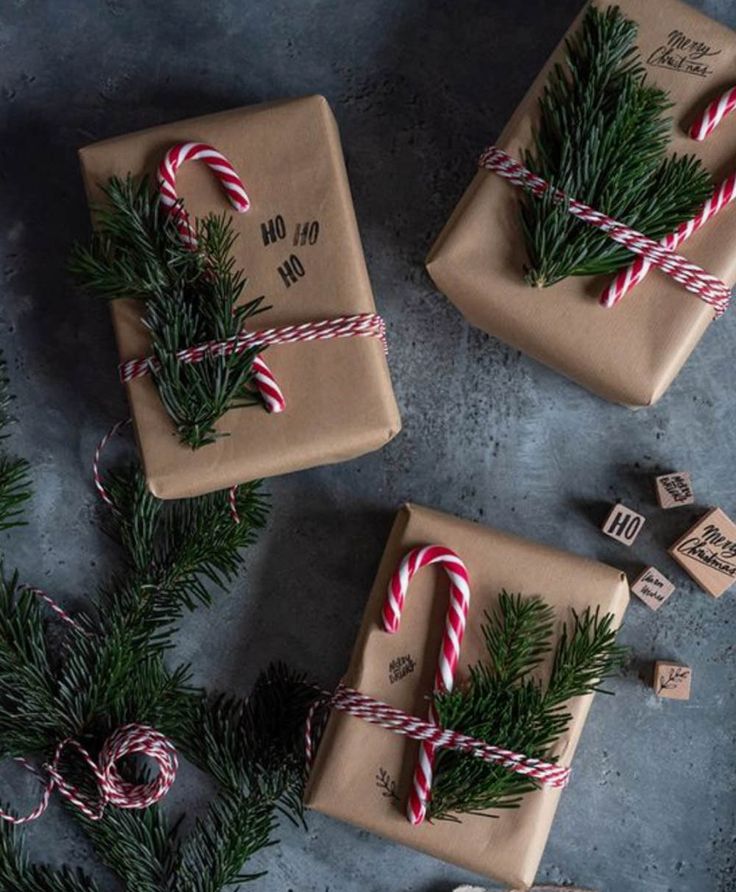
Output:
(418, 87)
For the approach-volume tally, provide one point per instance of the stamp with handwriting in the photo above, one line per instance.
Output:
(652, 587)
(707, 552)
(674, 490)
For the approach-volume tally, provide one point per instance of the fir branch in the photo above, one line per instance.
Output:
(176, 553)
(236, 827)
(31, 715)
(255, 744)
(191, 298)
(505, 704)
(140, 847)
(15, 485)
(17, 874)
(110, 669)
(602, 138)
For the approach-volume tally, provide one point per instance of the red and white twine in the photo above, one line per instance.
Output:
(360, 325)
(429, 734)
(692, 277)
(378, 713)
(128, 740)
(633, 274)
(452, 639)
(713, 114)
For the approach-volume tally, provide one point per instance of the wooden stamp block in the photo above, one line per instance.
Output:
(671, 680)
(623, 524)
(708, 552)
(652, 588)
(674, 490)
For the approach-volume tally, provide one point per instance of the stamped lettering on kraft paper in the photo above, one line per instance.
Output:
(708, 552)
(400, 667)
(303, 234)
(684, 53)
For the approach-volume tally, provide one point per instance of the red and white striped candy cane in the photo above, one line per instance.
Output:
(713, 114)
(220, 167)
(264, 380)
(632, 275)
(449, 652)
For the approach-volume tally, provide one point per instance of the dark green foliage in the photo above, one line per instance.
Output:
(602, 138)
(17, 874)
(505, 704)
(191, 298)
(115, 666)
(259, 769)
(15, 485)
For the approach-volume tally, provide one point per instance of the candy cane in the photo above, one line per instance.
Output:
(264, 380)
(713, 114)
(633, 274)
(220, 167)
(449, 653)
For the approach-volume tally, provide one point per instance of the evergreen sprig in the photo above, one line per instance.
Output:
(15, 484)
(602, 137)
(506, 704)
(115, 666)
(17, 874)
(191, 298)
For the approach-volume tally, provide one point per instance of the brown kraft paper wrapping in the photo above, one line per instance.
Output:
(629, 354)
(340, 403)
(399, 669)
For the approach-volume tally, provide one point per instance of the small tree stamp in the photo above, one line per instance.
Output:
(652, 587)
(672, 680)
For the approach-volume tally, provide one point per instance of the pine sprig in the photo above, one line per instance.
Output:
(191, 298)
(505, 704)
(113, 666)
(15, 484)
(17, 874)
(602, 138)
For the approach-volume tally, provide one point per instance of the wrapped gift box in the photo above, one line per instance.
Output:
(362, 772)
(340, 403)
(629, 354)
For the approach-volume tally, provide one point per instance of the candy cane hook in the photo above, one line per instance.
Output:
(713, 114)
(220, 167)
(457, 614)
(234, 188)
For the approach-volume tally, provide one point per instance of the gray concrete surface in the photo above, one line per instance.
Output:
(418, 87)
